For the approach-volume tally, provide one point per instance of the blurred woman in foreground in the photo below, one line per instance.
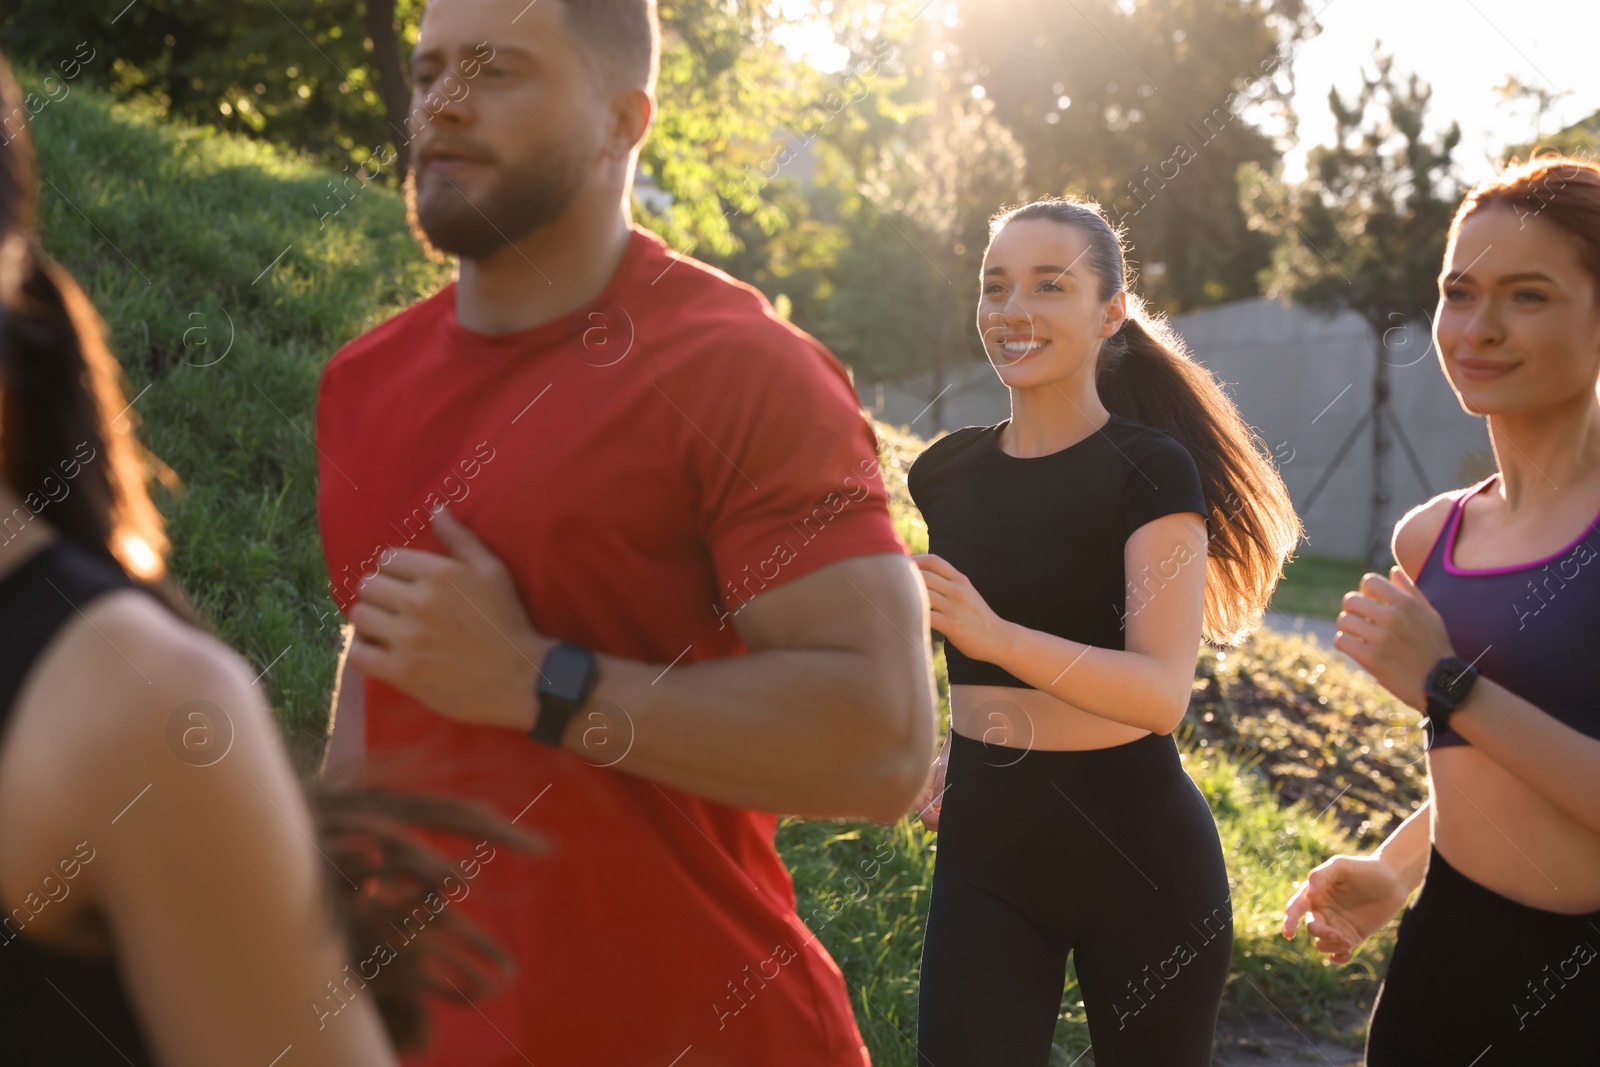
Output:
(162, 899)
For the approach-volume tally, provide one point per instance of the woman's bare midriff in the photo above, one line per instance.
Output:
(1031, 719)
(1497, 830)
(1491, 825)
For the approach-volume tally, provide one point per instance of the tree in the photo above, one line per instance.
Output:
(1581, 140)
(907, 288)
(394, 88)
(1143, 105)
(304, 73)
(930, 167)
(883, 175)
(1516, 91)
(725, 89)
(1365, 230)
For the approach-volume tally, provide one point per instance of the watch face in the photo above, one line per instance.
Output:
(1452, 681)
(563, 671)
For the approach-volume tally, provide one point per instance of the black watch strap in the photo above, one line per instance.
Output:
(1438, 718)
(1446, 689)
(566, 679)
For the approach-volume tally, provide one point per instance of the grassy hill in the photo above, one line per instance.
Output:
(225, 292)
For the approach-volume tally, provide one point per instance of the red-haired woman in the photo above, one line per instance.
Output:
(1489, 626)
(1078, 552)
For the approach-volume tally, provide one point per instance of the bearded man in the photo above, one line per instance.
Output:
(615, 552)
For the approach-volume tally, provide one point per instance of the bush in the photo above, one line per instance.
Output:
(224, 295)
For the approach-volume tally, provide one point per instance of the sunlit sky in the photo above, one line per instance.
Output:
(1463, 48)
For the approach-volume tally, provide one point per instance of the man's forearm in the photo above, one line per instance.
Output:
(815, 732)
(830, 712)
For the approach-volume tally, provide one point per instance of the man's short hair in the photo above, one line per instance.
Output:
(623, 35)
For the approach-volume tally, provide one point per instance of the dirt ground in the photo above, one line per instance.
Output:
(1273, 1041)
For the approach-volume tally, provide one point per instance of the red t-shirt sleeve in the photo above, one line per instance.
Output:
(785, 461)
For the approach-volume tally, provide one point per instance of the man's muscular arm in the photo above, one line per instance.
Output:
(831, 714)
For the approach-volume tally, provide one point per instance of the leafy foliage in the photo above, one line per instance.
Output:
(1581, 140)
(298, 72)
(858, 199)
(1140, 105)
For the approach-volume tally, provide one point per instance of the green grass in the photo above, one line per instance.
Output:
(173, 230)
(1316, 585)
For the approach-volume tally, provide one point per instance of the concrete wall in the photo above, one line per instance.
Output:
(1304, 381)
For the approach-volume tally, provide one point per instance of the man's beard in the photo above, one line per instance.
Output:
(522, 199)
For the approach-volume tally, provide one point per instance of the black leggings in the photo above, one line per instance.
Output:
(1479, 980)
(1109, 854)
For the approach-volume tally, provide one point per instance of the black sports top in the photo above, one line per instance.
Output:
(56, 1007)
(1042, 537)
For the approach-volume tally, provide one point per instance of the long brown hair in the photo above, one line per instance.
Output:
(66, 422)
(64, 425)
(1146, 373)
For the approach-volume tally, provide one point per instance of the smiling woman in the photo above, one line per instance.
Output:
(1122, 459)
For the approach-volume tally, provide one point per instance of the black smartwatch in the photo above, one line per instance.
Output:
(566, 678)
(1446, 688)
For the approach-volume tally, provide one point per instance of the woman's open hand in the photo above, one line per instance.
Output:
(1345, 901)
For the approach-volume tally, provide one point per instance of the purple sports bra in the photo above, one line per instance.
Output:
(1533, 628)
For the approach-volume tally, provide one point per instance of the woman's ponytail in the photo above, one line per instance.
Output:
(64, 453)
(1145, 373)
(67, 437)
(1149, 377)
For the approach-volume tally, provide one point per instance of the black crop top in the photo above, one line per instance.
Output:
(1042, 537)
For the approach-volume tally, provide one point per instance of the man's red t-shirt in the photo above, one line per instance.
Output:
(643, 466)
